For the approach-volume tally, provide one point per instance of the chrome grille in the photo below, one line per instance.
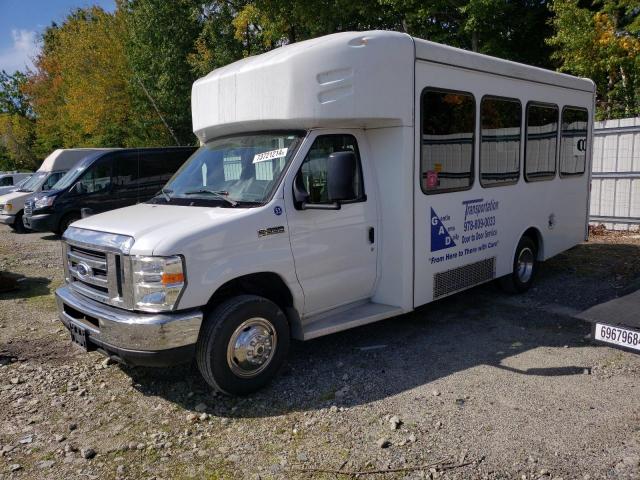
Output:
(457, 279)
(100, 270)
(89, 267)
(28, 208)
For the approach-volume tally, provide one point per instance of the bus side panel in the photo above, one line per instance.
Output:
(464, 238)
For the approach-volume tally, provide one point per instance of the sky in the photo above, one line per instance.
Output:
(23, 21)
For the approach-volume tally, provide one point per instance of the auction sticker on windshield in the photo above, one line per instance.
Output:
(270, 155)
(622, 337)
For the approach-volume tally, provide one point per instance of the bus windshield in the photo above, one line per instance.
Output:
(241, 169)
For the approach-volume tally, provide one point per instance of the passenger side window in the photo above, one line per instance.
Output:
(6, 181)
(542, 142)
(52, 180)
(313, 172)
(448, 132)
(500, 141)
(97, 179)
(573, 143)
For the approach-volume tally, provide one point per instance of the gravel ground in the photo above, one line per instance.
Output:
(480, 385)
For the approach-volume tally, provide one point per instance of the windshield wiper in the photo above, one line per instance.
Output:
(166, 192)
(221, 194)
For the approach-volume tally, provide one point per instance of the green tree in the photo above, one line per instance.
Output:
(17, 125)
(512, 29)
(601, 40)
(161, 35)
(80, 89)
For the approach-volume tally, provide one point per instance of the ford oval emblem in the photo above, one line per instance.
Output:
(83, 269)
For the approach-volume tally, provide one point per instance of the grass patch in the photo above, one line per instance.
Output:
(328, 395)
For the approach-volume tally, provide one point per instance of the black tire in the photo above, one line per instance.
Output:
(67, 220)
(18, 225)
(525, 267)
(224, 323)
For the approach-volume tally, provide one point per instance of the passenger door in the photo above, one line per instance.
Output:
(334, 250)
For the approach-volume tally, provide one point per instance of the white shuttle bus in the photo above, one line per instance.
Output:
(341, 181)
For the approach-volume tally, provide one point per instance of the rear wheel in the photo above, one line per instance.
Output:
(525, 267)
(243, 343)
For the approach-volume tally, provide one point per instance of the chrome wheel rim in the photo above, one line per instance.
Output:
(524, 265)
(251, 347)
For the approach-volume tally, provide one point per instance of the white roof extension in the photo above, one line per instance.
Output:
(65, 158)
(350, 79)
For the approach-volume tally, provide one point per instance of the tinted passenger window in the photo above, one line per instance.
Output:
(126, 167)
(500, 141)
(448, 127)
(97, 179)
(542, 141)
(573, 146)
(313, 172)
(6, 181)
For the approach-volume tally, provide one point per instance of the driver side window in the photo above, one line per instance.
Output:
(312, 176)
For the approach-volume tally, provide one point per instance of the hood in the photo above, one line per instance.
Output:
(154, 224)
(15, 196)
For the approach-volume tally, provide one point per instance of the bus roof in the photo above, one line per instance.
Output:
(349, 79)
(438, 53)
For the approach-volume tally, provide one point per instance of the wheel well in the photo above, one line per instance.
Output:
(266, 284)
(67, 216)
(534, 234)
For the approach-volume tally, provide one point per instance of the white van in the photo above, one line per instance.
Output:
(10, 182)
(342, 180)
(52, 169)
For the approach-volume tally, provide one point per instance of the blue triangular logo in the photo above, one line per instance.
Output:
(440, 238)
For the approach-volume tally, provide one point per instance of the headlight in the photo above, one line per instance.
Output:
(43, 202)
(157, 282)
(8, 207)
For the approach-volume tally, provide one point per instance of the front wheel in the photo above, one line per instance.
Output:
(525, 267)
(243, 343)
(66, 221)
(18, 224)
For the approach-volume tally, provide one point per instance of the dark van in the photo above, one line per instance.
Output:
(104, 181)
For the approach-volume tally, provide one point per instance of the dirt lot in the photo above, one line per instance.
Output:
(481, 385)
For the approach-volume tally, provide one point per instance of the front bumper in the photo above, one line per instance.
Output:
(150, 339)
(7, 219)
(46, 222)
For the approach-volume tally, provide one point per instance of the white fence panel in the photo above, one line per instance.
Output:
(615, 181)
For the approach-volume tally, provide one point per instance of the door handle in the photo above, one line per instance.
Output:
(372, 235)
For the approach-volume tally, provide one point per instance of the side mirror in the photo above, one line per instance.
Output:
(341, 168)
